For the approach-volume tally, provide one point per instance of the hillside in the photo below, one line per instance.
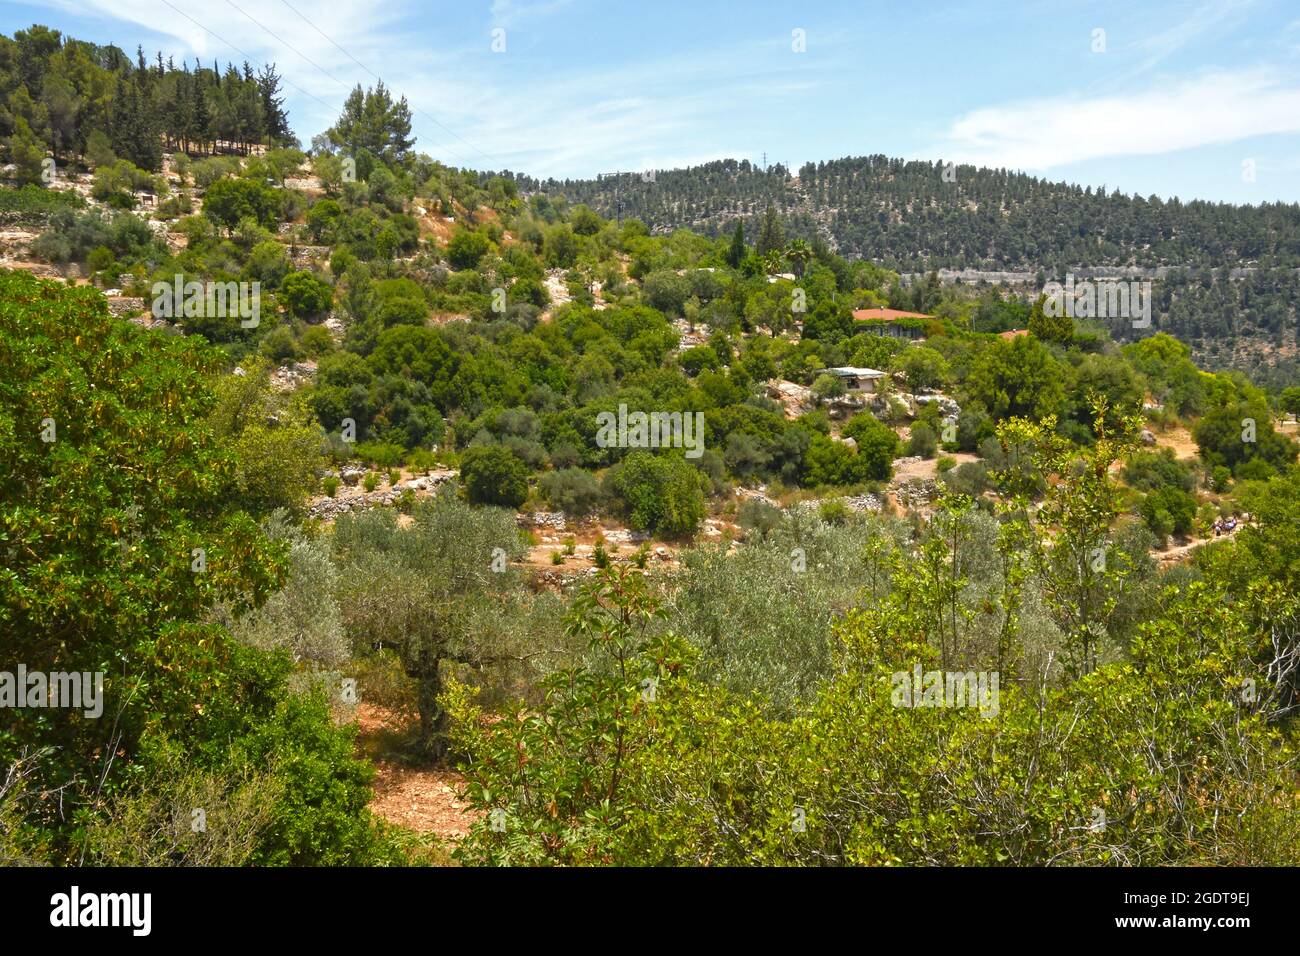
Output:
(1226, 278)
(385, 489)
(911, 217)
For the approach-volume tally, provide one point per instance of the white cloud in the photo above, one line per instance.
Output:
(508, 13)
(577, 121)
(1207, 17)
(1215, 108)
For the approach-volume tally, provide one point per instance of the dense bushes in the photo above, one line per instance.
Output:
(494, 476)
(659, 493)
(1168, 510)
(129, 526)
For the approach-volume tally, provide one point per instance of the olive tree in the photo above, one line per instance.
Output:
(440, 591)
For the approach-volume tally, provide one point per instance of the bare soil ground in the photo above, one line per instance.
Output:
(421, 799)
(929, 467)
(1180, 440)
(1178, 553)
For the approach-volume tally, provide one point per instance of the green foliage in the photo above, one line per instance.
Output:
(926, 369)
(124, 532)
(877, 444)
(227, 202)
(1238, 432)
(373, 123)
(466, 248)
(1016, 378)
(635, 757)
(305, 294)
(1168, 510)
(440, 592)
(1149, 470)
(492, 475)
(663, 494)
(275, 443)
(1048, 327)
(572, 490)
(922, 441)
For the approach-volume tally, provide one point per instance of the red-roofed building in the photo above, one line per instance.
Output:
(886, 322)
(887, 315)
(1013, 334)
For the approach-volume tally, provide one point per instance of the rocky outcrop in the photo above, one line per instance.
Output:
(287, 378)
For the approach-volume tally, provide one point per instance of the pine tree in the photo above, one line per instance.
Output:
(737, 251)
(771, 238)
(273, 114)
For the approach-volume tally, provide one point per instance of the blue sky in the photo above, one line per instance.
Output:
(1194, 99)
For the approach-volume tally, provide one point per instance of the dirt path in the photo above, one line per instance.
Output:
(1181, 552)
(421, 799)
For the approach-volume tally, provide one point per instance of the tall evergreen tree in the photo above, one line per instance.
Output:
(737, 250)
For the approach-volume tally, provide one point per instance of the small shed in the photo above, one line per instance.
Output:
(855, 379)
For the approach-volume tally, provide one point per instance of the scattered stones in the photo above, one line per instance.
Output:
(287, 378)
(349, 498)
(330, 508)
(624, 536)
(860, 503)
(687, 337)
(307, 255)
(947, 407)
(554, 520)
(336, 326)
(914, 492)
(123, 306)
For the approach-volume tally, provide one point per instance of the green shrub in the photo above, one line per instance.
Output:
(305, 295)
(493, 476)
(922, 441)
(663, 494)
(1168, 510)
(572, 490)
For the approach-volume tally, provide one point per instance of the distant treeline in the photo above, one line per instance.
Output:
(72, 98)
(916, 216)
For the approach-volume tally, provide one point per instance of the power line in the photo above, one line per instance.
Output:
(280, 39)
(254, 59)
(289, 45)
(376, 76)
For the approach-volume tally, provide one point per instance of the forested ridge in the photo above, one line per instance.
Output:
(914, 216)
(1228, 285)
(388, 495)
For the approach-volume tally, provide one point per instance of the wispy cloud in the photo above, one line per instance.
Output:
(509, 13)
(1212, 16)
(1214, 108)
